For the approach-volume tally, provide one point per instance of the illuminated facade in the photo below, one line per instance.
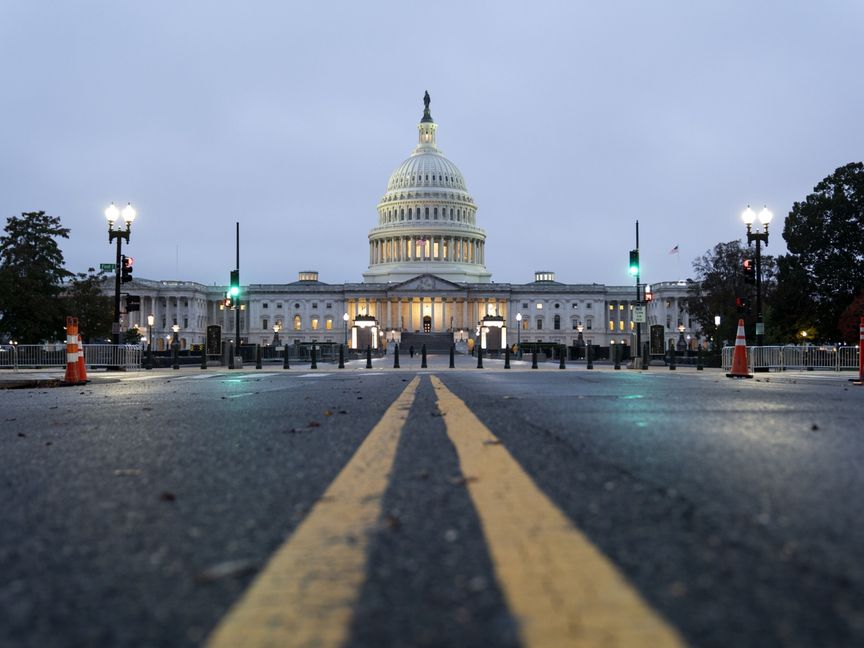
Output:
(426, 274)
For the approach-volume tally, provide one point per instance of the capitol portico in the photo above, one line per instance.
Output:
(426, 274)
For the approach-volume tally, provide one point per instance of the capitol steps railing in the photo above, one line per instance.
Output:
(782, 358)
(51, 356)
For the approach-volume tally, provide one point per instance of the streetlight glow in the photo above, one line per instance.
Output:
(129, 213)
(765, 215)
(748, 216)
(112, 213)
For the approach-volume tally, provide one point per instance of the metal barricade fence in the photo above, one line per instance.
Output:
(53, 355)
(811, 357)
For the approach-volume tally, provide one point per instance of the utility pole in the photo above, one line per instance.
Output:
(237, 305)
(638, 298)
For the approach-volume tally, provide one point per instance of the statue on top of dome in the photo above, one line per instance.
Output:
(427, 116)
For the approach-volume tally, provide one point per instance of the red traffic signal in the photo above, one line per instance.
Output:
(126, 269)
(749, 271)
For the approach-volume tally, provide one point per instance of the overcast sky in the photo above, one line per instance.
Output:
(569, 121)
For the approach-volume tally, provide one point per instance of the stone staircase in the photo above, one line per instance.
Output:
(435, 342)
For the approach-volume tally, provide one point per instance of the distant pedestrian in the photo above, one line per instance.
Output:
(411, 350)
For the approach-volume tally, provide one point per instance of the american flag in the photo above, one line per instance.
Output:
(674, 250)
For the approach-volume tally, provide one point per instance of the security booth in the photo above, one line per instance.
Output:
(493, 334)
(364, 332)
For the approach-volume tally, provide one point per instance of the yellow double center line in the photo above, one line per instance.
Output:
(560, 588)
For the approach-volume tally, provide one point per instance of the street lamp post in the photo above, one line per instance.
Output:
(519, 334)
(764, 217)
(151, 319)
(175, 346)
(579, 329)
(682, 343)
(275, 335)
(345, 319)
(113, 214)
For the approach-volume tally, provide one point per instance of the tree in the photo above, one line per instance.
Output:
(825, 238)
(84, 298)
(720, 280)
(132, 336)
(850, 320)
(31, 277)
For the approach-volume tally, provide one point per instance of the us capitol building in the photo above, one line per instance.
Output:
(426, 277)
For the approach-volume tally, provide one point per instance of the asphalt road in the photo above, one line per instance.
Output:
(140, 510)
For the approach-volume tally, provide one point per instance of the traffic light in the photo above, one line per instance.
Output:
(649, 296)
(234, 287)
(133, 303)
(226, 303)
(742, 305)
(749, 271)
(125, 269)
(634, 262)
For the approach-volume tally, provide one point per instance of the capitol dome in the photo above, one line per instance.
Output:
(427, 219)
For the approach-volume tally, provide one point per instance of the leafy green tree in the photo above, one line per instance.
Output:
(132, 336)
(31, 278)
(825, 265)
(84, 298)
(720, 280)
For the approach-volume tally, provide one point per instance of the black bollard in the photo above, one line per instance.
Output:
(561, 354)
(699, 358)
(314, 364)
(396, 357)
(423, 364)
(149, 364)
(534, 358)
(671, 359)
(479, 357)
(507, 357)
(616, 356)
(589, 356)
(175, 354)
(452, 356)
(204, 356)
(285, 363)
(341, 356)
(257, 356)
(368, 357)
(231, 355)
(646, 358)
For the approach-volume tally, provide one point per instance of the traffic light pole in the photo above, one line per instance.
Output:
(119, 235)
(638, 353)
(237, 303)
(758, 237)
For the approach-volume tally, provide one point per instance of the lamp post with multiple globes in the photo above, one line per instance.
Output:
(113, 215)
(764, 217)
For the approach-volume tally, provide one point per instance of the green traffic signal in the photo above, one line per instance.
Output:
(234, 288)
(634, 262)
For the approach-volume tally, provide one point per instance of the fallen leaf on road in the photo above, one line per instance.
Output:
(21, 434)
(392, 522)
(328, 413)
(167, 496)
(127, 472)
(458, 481)
(314, 424)
(227, 569)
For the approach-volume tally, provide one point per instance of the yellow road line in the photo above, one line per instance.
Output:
(562, 589)
(305, 595)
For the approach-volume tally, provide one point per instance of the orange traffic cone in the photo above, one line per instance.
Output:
(739, 359)
(82, 364)
(71, 377)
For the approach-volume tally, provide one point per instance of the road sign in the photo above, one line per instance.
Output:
(639, 314)
(107, 267)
